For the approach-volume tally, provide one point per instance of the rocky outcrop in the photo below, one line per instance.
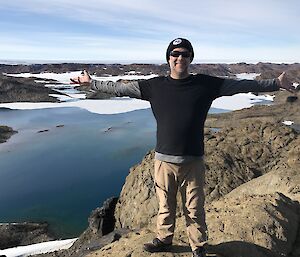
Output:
(5, 133)
(24, 90)
(284, 179)
(16, 234)
(102, 220)
(260, 226)
(99, 233)
(237, 155)
(264, 225)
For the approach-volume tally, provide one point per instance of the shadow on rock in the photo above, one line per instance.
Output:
(180, 249)
(240, 249)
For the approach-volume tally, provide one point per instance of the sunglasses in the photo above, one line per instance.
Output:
(184, 54)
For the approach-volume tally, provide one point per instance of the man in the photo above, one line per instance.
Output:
(180, 103)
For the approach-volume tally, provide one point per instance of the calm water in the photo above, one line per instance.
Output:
(61, 175)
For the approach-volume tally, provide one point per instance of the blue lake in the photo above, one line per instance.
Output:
(62, 174)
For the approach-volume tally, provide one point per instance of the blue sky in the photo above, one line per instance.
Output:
(139, 31)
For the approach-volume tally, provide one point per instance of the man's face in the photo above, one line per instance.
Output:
(180, 59)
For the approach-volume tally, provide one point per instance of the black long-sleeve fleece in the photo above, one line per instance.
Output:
(180, 107)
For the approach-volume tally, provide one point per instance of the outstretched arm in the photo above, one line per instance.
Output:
(130, 89)
(231, 86)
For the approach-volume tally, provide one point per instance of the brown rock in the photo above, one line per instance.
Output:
(255, 224)
(260, 226)
(137, 207)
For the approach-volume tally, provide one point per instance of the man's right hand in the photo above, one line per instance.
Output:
(84, 79)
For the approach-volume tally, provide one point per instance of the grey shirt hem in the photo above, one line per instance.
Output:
(176, 159)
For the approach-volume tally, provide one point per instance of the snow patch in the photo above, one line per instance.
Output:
(46, 247)
(60, 77)
(65, 77)
(240, 101)
(247, 75)
(110, 106)
(288, 122)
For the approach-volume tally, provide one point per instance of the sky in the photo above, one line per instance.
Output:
(140, 30)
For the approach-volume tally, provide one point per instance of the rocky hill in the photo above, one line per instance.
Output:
(267, 70)
(24, 90)
(252, 195)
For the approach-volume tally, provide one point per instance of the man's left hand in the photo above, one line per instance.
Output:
(286, 83)
(83, 80)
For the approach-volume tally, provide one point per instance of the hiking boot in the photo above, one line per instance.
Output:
(199, 252)
(157, 246)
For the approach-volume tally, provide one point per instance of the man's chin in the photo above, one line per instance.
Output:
(181, 70)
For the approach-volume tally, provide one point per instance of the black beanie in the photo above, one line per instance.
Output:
(177, 43)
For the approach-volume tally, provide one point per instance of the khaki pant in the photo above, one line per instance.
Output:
(189, 179)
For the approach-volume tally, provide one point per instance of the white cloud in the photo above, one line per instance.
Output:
(233, 11)
(194, 14)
